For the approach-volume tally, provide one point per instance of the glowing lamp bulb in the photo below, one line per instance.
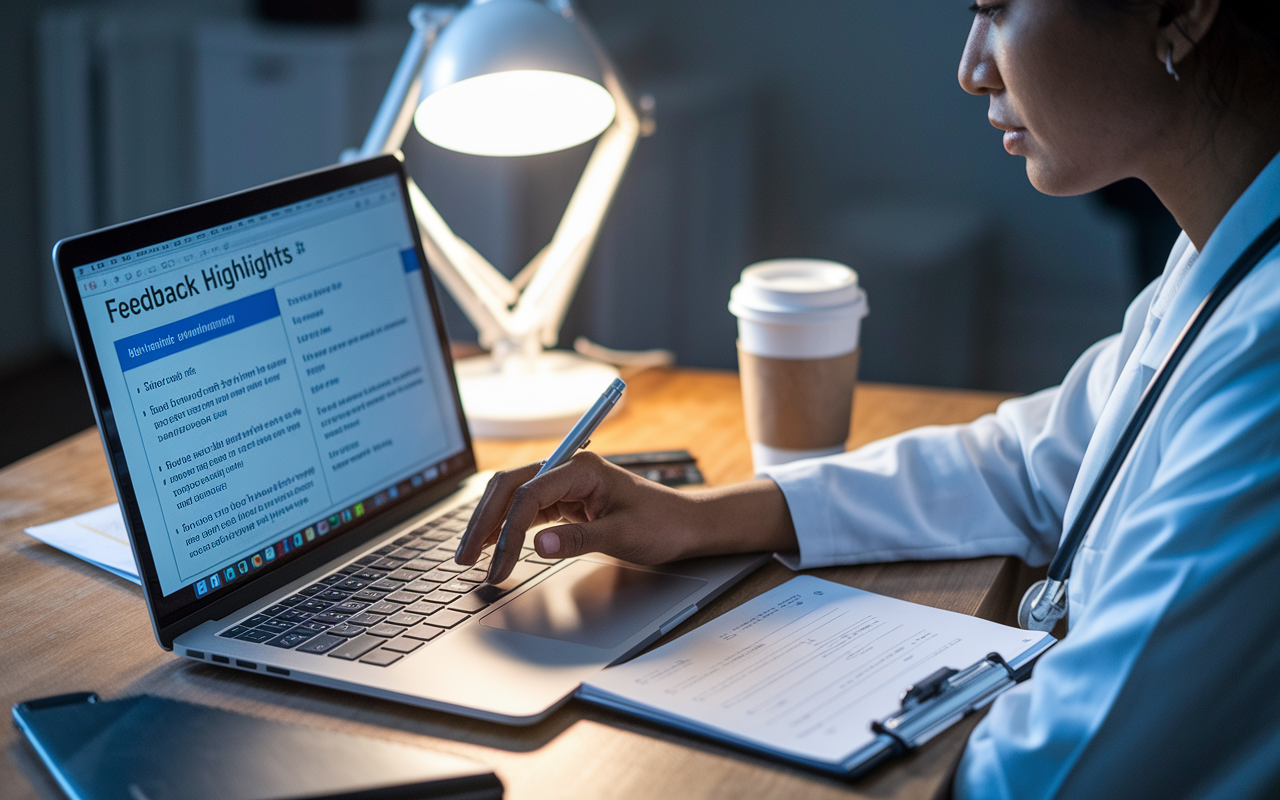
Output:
(516, 113)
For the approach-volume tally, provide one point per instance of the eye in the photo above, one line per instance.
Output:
(988, 10)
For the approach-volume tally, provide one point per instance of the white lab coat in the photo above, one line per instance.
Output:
(1169, 682)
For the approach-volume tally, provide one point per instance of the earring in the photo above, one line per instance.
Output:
(1168, 63)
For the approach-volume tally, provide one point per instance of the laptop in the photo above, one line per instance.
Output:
(272, 381)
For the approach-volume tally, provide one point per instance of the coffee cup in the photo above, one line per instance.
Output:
(799, 322)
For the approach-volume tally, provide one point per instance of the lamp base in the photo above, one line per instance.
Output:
(542, 402)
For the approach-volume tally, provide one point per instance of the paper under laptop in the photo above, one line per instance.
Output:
(97, 537)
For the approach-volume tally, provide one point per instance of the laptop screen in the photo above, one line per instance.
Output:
(272, 379)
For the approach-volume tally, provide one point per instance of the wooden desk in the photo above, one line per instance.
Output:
(71, 627)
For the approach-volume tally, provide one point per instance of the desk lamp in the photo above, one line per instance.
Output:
(513, 78)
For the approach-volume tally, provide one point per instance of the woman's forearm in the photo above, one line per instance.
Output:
(742, 518)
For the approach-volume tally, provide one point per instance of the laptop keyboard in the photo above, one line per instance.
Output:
(389, 603)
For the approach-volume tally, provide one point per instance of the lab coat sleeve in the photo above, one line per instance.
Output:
(1165, 686)
(996, 486)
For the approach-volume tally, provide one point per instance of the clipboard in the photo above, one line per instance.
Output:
(824, 676)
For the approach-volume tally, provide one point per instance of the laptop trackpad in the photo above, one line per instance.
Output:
(597, 605)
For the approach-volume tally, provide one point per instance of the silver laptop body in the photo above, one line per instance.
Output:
(272, 381)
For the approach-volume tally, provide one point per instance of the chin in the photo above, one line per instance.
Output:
(1054, 181)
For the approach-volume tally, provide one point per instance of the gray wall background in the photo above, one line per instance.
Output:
(861, 107)
(844, 104)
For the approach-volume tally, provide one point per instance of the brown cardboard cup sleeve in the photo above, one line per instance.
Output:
(797, 403)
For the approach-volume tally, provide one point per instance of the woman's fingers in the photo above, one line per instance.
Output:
(486, 522)
(608, 510)
(574, 481)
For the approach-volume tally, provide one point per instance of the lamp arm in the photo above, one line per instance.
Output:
(449, 258)
(527, 272)
(395, 113)
(581, 228)
(485, 278)
(544, 302)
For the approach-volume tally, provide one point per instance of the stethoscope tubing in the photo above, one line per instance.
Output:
(1060, 567)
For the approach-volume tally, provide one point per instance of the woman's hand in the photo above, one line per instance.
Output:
(612, 511)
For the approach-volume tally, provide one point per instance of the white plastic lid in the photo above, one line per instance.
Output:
(806, 286)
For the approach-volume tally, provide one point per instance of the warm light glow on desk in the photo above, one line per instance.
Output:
(516, 113)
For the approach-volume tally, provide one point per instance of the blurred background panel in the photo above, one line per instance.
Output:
(825, 128)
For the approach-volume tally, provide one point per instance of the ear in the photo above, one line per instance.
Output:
(1182, 24)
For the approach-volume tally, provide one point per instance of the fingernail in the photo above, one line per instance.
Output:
(549, 543)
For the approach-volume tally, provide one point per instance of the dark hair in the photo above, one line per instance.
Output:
(1242, 44)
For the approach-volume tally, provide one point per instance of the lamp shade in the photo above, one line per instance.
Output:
(509, 78)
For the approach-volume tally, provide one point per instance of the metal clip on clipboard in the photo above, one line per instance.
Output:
(942, 699)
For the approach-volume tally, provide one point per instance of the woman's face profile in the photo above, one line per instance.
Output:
(1080, 90)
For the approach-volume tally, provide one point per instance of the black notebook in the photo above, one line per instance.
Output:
(153, 748)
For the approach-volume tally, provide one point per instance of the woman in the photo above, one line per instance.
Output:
(1164, 685)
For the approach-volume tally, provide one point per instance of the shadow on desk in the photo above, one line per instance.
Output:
(322, 707)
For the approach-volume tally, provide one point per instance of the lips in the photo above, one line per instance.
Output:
(1014, 135)
(1008, 127)
(1013, 140)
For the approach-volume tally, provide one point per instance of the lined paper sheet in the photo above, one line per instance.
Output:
(97, 537)
(804, 668)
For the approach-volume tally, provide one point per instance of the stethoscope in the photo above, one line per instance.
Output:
(1046, 601)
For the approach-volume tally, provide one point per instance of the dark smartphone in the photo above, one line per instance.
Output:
(154, 748)
(668, 467)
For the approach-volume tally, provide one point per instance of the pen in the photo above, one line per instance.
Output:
(580, 435)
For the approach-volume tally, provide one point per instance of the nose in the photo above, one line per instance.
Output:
(978, 73)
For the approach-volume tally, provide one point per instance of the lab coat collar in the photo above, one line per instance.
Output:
(1193, 276)
(1181, 259)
